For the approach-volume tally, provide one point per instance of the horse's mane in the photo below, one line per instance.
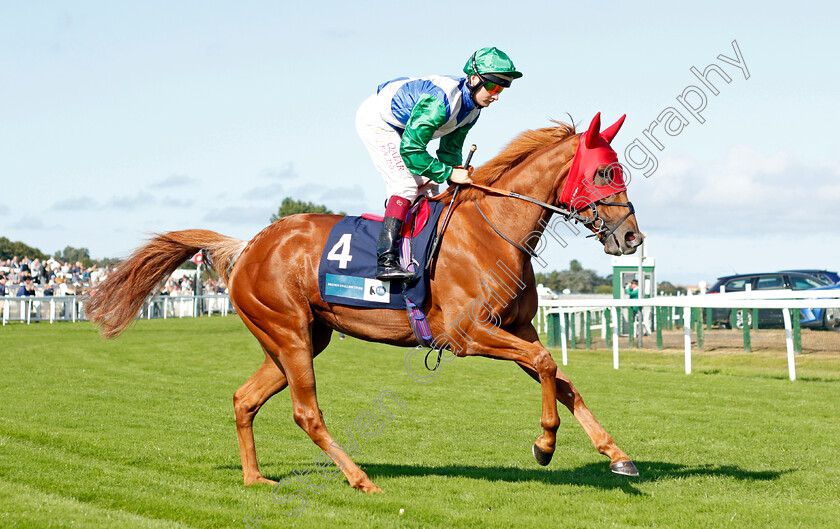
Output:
(520, 148)
(516, 152)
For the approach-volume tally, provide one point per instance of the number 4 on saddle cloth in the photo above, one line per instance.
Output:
(347, 270)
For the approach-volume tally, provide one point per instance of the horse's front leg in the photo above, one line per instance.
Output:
(620, 463)
(506, 346)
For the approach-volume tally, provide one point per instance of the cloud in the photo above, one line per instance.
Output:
(284, 173)
(342, 193)
(128, 203)
(177, 202)
(239, 215)
(743, 194)
(29, 223)
(175, 180)
(350, 199)
(273, 191)
(75, 204)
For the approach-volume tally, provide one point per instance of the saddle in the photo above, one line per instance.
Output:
(347, 269)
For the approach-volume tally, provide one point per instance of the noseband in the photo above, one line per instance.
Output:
(602, 232)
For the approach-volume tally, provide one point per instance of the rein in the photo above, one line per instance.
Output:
(603, 233)
(524, 249)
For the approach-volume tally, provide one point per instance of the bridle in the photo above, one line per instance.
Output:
(595, 221)
(602, 232)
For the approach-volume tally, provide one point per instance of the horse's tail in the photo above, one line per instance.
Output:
(113, 304)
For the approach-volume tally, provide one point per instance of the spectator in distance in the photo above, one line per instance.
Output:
(27, 288)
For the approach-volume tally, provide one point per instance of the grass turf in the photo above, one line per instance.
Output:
(139, 432)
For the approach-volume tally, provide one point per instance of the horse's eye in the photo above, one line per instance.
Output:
(604, 176)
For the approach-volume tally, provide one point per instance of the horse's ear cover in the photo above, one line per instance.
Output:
(591, 135)
(593, 151)
(610, 132)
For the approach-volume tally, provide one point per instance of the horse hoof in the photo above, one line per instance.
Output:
(625, 468)
(367, 486)
(258, 479)
(543, 458)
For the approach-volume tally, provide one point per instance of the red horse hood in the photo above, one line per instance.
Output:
(593, 151)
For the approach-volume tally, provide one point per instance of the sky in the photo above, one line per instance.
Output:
(118, 120)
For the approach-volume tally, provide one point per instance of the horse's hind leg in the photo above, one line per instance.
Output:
(300, 341)
(247, 401)
(267, 381)
(308, 416)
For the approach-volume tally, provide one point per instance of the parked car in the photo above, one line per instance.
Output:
(828, 319)
(826, 275)
(816, 318)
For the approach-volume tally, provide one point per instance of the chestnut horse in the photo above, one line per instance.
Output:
(273, 282)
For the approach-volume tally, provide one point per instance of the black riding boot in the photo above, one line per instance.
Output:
(388, 259)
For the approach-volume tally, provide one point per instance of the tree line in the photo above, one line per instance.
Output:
(10, 249)
(585, 281)
(290, 206)
(576, 279)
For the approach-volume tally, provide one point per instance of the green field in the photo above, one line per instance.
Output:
(139, 432)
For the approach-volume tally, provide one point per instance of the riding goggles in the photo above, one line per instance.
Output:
(493, 88)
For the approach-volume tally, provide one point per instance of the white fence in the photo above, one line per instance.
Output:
(72, 308)
(736, 300)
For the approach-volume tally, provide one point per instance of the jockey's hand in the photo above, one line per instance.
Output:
(460, 176)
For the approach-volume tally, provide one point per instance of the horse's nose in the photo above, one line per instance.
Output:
(633, 239)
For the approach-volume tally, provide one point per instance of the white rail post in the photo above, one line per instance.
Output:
(687, 327)
(789, 343)
(565, 354)
(604, 324)
(614, 324)
(52, 310)
(544, 318)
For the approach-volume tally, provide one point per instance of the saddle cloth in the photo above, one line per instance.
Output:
(347, 269)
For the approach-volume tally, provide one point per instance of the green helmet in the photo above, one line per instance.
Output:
(489, 61)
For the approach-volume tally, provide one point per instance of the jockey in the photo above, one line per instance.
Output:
(397, 123)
